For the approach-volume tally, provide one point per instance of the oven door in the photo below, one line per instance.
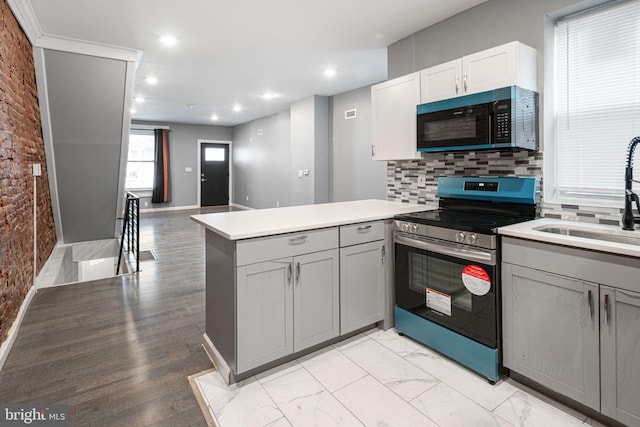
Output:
(450, 284)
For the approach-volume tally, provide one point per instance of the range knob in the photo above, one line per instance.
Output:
(414, 228)
(473, 238)
(405, 226)
(460, 237)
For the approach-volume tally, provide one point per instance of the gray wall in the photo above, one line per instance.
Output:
(262, 162)
(86, 104)
(354, 175)
(487, 25)
(183, 153)
(310, 150)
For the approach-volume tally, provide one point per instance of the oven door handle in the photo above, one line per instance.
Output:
(488, 258)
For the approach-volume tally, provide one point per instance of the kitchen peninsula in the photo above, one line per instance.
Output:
(283, 282)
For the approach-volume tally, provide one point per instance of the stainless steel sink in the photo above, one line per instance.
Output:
(586, 233)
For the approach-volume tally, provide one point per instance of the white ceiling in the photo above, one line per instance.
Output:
(234, 51)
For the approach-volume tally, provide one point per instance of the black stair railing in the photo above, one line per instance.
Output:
(130, 236)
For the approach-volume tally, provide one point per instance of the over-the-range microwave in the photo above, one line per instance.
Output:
(498, 119)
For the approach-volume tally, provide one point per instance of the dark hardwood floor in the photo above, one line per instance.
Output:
(119, 350)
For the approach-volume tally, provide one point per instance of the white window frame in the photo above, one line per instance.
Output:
(143, 190)
(550, 144)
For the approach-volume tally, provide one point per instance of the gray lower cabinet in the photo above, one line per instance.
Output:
(551, 331)
(286, 305)
(264, 313)
(571, 322)
(362, 285)
(620, 354)
(316, 299)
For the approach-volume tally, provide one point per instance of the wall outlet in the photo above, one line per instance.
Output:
(422, 180)
(146, 204)
(305, 172)
(277, 204)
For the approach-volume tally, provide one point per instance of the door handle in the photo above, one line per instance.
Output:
(203, 179)
(606, 308)
(289, 268)
(590, 300)
(297, 272)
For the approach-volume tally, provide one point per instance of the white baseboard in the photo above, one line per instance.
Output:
(171, 208)
(236, 205)
(13, 331)
(216, 359)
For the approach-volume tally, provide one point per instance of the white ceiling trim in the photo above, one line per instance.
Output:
(88, 48)
(27, 19)
(29, 22)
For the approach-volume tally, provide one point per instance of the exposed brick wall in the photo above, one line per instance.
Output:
(21, 145)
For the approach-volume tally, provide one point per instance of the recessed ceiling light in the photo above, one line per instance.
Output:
(330, 72)
(214, 117)
(151, 80)
(139, 99)
(168, 40)
(237, 108)
(270, 95)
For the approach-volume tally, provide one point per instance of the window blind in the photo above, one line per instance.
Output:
(597, 99)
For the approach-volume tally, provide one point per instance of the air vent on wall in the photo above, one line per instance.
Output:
(350, 114)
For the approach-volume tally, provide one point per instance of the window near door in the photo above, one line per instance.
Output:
(212, 154)
(140, 161)
(597, 102)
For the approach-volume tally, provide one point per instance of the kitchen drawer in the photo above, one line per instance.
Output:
(251, 251)
(361, 233)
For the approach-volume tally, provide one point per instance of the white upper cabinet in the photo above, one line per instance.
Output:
(393, 105)
(441, 81)
(511, 64)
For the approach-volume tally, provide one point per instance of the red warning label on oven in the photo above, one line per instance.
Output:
(476, 279)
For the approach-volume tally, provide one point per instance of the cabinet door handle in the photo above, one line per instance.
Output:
(297, 272)
(464, 82)
(289, 273)
(364, 228)
(457, 84)
(590, 298)
(606, 308)
(384, 253)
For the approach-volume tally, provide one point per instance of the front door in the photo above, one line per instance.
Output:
(214, 174)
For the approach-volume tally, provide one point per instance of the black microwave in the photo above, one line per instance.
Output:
(498, 119)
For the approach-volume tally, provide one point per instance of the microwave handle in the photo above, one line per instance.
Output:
(491, 117)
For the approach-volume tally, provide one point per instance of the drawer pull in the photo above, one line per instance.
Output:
(297, 240)
(364, 228)
(590, 298)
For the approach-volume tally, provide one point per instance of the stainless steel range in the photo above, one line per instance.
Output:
(447, 267)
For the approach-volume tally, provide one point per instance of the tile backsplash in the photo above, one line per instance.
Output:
(416, 181)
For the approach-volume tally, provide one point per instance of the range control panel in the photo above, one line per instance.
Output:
(481, 186)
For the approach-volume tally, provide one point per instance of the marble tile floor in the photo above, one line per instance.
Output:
(378, 378)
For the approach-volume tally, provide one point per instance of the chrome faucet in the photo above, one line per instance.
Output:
(628, 219)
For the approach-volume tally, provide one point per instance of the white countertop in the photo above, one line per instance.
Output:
(266, 222)
(527, 230)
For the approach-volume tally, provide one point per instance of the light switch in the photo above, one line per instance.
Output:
(37, 169)
(300, 173)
